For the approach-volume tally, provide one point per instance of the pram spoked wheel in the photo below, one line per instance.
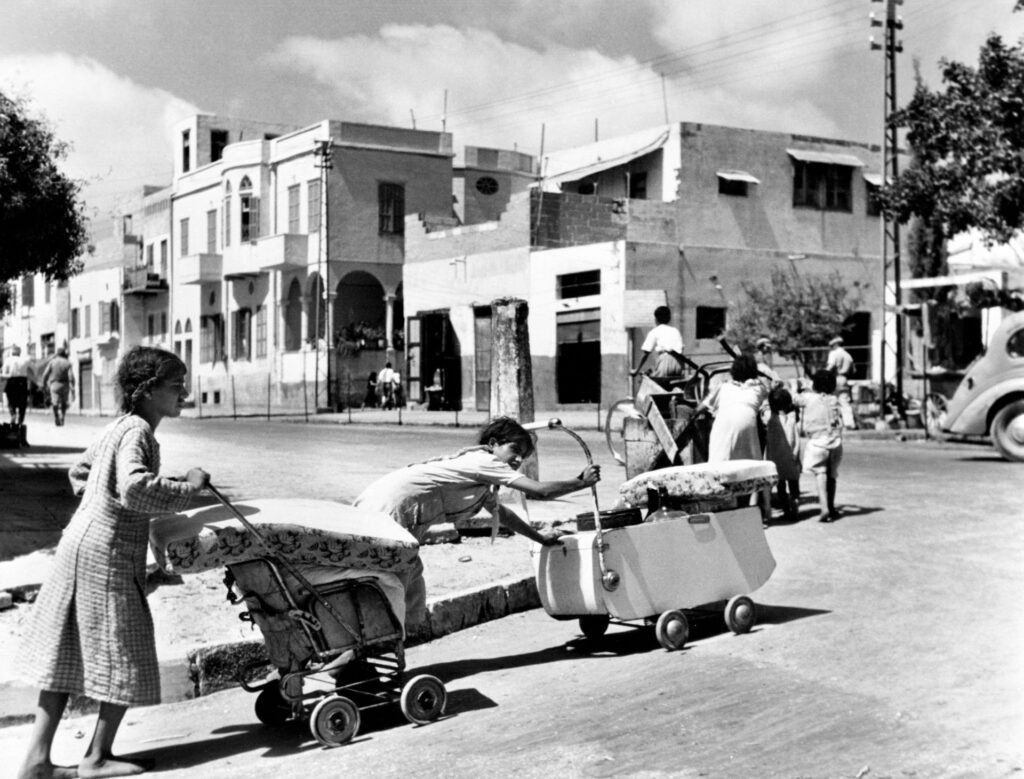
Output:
(423, 699)
(334, 721)
(672, 630)
(740, 614)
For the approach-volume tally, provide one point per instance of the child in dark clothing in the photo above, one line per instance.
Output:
(781, 448)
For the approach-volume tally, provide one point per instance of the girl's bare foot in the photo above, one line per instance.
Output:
(113, 766)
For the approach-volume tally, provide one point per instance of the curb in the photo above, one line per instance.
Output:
(213, 668)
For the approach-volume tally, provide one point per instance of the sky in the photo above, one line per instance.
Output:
(113, 76)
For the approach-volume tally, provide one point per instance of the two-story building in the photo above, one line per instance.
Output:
(684, 215)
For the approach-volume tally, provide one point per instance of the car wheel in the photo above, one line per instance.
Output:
(1008, 431)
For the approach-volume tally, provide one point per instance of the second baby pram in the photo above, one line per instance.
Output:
(325, 596)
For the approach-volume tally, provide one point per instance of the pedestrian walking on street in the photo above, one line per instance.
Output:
(666, 342)
(17, 370)
(370, 399)
(90, 631)
(822, 427)
(840, 362)
(736, 405)
(782, 448)
(458, 486)
(59, 378)
(387, 386)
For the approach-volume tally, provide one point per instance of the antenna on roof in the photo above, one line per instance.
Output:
(595, 129)
(664, 97)
(444, 113)
(413, 118)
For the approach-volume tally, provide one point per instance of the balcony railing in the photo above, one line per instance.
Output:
(284, 251)
(142, 281)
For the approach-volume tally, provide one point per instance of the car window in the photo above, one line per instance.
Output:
(1015, 344)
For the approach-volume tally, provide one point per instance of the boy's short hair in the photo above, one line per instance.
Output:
(506, 430)
(824, 381)
(662, 315)
(779, 400)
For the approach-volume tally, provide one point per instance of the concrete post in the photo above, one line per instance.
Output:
(511, 367)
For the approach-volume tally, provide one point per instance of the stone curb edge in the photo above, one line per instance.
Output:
(213, 668)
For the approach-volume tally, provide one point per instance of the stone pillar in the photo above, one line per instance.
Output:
(389, 319)
(511, 366)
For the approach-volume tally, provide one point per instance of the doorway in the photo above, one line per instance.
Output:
(578, 356)
(440, 358)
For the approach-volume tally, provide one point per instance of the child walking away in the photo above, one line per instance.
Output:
(781, 448)
(822, 425)
(90, 631)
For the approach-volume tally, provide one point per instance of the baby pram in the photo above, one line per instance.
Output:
(323, 591)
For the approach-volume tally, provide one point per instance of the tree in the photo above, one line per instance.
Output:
(800, 314)
(968, 142)
(42, 219)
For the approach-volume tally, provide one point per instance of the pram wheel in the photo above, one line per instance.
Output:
(334, 721)
(423, 699)
(672, 630)
(271, 707)
(593, 626)
(740, 614)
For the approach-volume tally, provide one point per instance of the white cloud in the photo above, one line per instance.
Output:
(499, 93)
(118, 130)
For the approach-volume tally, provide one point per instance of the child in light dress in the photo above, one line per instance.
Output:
(782, 448)
(822, 426)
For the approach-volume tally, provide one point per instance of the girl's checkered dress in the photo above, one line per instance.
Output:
(91, 632)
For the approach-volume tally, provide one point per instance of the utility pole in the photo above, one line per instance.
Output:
(891, 254)
(325, 162)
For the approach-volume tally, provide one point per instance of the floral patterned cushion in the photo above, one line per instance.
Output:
(303, 531)
(708, 485)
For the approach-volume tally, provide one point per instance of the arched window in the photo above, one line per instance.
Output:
(226, 216)
(249, 207)
(317, 314)
(293, 318)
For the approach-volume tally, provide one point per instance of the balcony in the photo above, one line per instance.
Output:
(285, 251)
(142, 281)
(199, 268)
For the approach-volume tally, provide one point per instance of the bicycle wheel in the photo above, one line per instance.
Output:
(614, 427)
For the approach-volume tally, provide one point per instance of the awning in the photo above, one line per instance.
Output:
(737, 175)
(826, 157)
(639, 305)
(951, 281)
(874, 179)
(580, 162)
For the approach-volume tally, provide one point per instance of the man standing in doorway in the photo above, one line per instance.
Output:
(59, 378)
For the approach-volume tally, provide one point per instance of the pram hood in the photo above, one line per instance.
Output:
(319, 532)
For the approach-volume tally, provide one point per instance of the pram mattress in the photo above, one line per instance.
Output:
(317, 532)
(707, 484)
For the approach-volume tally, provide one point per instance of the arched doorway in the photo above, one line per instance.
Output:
(359, 310)
(293, 318)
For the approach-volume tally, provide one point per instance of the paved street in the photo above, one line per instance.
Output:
(889, 642)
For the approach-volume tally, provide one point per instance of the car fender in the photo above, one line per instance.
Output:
(976, 417)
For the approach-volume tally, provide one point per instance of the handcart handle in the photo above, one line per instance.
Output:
(609, 579)
(286, 564)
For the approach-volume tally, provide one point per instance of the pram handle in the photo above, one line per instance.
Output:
(287, 565)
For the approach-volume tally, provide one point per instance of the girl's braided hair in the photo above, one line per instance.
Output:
(141, 369)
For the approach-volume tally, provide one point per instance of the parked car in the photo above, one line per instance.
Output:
(990, 399)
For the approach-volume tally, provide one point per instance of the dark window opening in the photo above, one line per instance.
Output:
(186, 151)
(587, 188)
(487, 185)
(638, 185)
(822, 186)
(577, 285)
(578, 356)
(391, 208)
(218, 140)
(710, 321)
(873, 207)
(732, 187)
(240, 338)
